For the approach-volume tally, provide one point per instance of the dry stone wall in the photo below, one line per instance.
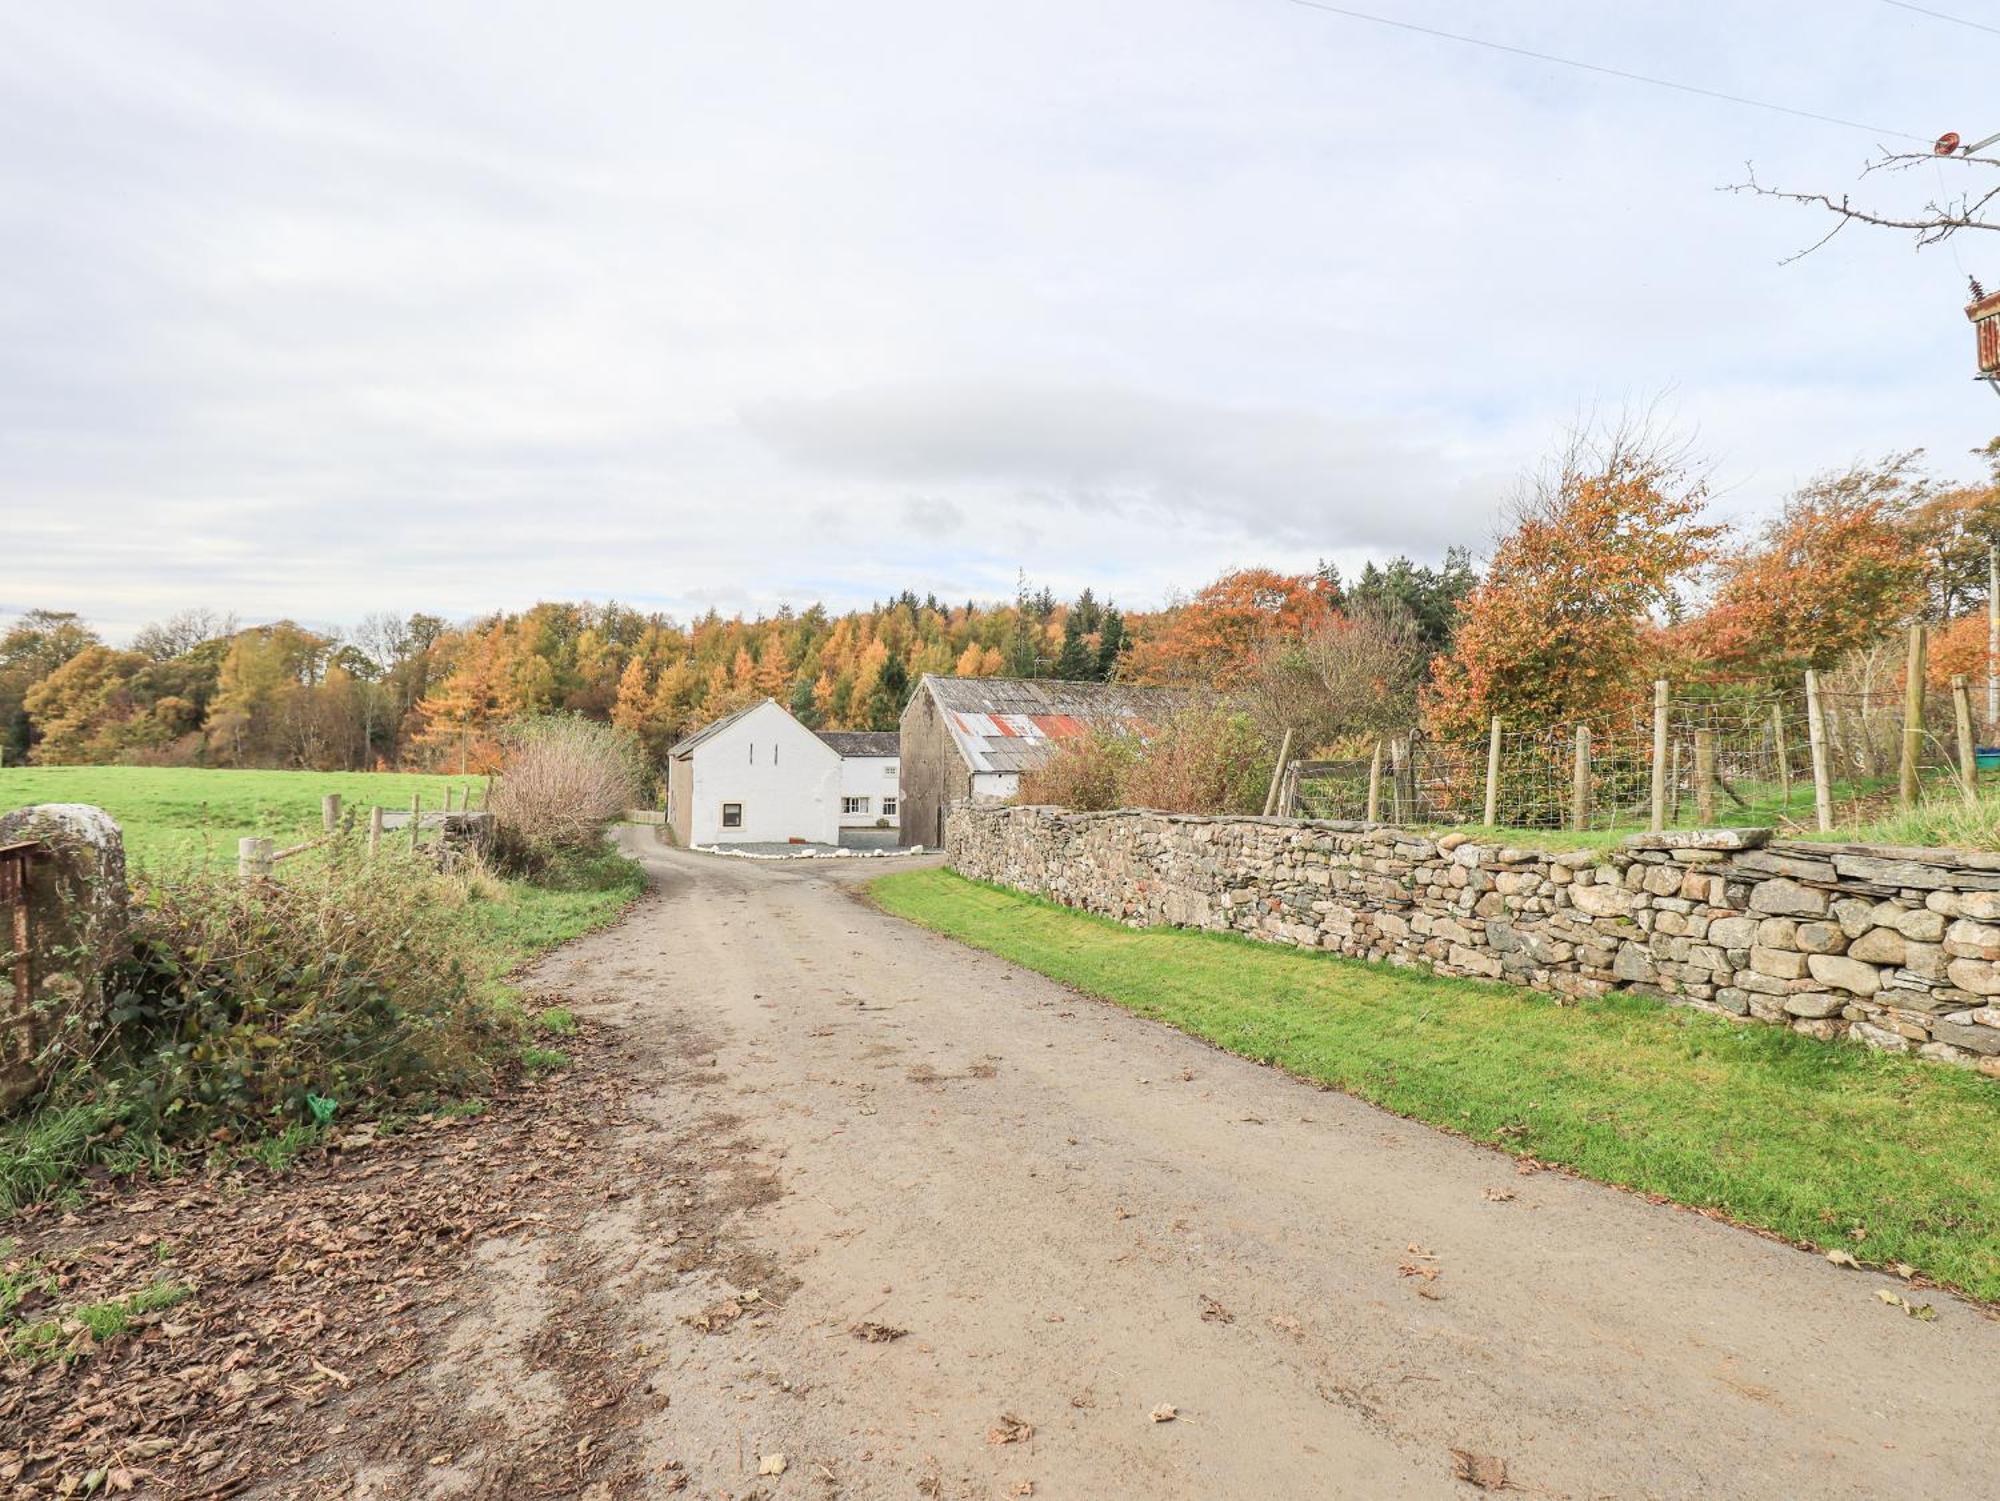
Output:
(1895, 948)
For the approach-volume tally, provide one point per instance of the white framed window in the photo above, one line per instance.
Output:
(732, 815)
(888, 807)
(854, 805)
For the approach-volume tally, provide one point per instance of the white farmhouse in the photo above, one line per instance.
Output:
(757, 776)
(870, 799)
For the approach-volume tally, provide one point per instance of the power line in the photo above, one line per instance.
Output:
(1938, 15)
(1570, 62)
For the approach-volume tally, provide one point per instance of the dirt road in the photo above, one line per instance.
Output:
(831, 1199)
(1079, 1216)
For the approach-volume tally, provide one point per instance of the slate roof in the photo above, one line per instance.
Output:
(863, 742)
(1011, 724)
(681, 748)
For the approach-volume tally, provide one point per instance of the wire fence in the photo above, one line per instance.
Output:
(1710, 762)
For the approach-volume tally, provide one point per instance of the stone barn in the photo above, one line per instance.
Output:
(973, 737)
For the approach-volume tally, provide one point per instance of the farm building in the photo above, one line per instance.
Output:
(870, 797)
(757, 776)
(973, 737)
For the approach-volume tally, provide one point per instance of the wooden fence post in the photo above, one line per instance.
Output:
(1659, 754)
(253, 859)
(1816, 737)
(449, 791)
(1492, 819)
(1704, 778)
(1278, 774)
(1375, 782)
(1913, 719)
(329, 812)
(374, 831)
(416, 816)
(1579, 780)
(1961, 710)
(1784, 760)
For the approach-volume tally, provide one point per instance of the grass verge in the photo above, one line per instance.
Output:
(1887, 1158)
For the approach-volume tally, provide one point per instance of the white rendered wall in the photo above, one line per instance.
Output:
(872, 777)
(785, 776)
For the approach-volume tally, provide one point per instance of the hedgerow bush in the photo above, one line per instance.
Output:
(248, 1007)
(563, 779)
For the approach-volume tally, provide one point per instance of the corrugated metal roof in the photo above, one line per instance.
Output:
(1012, 724)
(863, 742)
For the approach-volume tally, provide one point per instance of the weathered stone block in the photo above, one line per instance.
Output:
(1815, 1004)
(1879, 946)
(1601, 901)
(1782, 897)
(1699, 839)
(1980, 976)
(1843, 973)
(1780, 964)
(1965, 939)
(1821, 938)
(1733, 932)
(1635, 966)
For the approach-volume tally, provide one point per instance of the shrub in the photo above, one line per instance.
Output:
(563, 779)
(242, 1002)
(1202, 760)
(1085, 773)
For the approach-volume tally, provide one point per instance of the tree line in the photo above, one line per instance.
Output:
(1608, 573)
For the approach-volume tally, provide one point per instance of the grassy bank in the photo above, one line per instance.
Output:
(1889, 1159)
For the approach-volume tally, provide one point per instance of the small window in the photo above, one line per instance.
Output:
(854, 805)
(889, 770)
(888, 807)
(753, 753)
(732, 815)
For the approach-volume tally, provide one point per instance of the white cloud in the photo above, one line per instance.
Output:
(321, 311)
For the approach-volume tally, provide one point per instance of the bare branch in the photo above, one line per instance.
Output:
(1934, 223)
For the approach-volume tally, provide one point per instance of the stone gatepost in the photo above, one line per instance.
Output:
(77, 925)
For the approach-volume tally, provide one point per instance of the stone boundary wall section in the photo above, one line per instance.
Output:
(1896, 948)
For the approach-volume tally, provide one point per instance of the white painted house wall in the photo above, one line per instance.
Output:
(872, 778)
(786, 778)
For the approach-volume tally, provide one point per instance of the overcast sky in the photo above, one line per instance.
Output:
(317, 310)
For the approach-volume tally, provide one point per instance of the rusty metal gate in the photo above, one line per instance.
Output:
(15, 860)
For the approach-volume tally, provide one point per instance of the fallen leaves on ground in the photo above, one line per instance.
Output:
(1166, 1412)
(1921, 1311)
(1010, 1430)
(1496, 1195)
(320, 1299)
(1214, 1313)
(771, 1464)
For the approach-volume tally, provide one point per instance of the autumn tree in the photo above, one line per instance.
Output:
(1602, 541)
(1838, 568)
(1214, 638)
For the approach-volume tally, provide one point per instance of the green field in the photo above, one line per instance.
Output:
(171, 815)
(1886, 1158)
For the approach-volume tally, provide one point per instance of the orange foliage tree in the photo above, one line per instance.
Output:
(1214, 637)
(1562, 624)
(1838, 569)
